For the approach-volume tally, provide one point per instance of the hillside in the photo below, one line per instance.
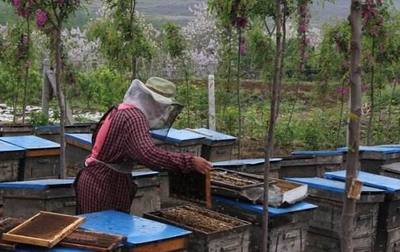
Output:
(159, 11)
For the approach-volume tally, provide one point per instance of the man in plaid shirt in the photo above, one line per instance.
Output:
(121, 139)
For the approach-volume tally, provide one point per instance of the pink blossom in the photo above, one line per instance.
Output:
(41, 18)
(240, 22)
(22, 12)
(342, 90)
(60, 2)
(242, 47)
(16, 3)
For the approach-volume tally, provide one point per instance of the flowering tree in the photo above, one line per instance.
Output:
(176, 47)
(50, 15)
(81, 52)
(22, 60)
(234, 14)
(203, 38)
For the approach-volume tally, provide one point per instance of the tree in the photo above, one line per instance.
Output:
(234, 13)
(23, 55)
(122, 35)
(269, 136)
(352, 161)
(176, 47)
(50, 16)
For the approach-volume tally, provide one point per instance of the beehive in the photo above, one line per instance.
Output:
(41, 157)
(212, 231)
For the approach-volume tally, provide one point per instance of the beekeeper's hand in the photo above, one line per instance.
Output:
(201, 165)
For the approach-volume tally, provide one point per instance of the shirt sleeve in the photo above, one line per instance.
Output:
(140, 146)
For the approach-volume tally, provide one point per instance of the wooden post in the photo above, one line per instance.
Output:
(211, 102)
(353, 163)
(46, 89)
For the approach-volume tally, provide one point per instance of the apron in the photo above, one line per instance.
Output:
(99, 137)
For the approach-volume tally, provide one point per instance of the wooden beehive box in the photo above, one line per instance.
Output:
(373, 157)
(253, 166)
(79, 146)
(216, 146)
(192, 186)
(328, 195)
(93, 241)
(212, 231)
(11, 160)
(311, 163)
(287, 225)
(52, 132)
(26, 198)
(388, 232)
(44, 229)
(147, 197)
(15, 129)
(238, 185)
(181, 141)
(41, 156)
(391, 170)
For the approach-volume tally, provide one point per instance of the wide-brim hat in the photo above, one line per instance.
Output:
(161, 90)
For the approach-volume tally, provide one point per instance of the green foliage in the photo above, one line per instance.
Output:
(174, 42)
(122, 36)
(261, 49)
(101, 88)
(38, 119)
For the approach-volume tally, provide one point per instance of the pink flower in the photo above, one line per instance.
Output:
(16, 3)
(242, 47)
(41, 18)
(22, 12)
(342, 90)
(60, 2)
(240, 22)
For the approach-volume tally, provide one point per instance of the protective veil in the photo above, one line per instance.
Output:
(156, 99)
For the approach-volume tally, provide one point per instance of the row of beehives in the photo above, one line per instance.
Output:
(289, 225)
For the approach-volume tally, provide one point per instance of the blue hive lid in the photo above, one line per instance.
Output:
(378, 181)
(137, 230)
(175, 136)
(330, 185)
(317, 152)
(378, 148)
(84, 138)
(258, 209)
(243, 162)
(30, 142)
(214, 136)
(37, 184)
(6, 147)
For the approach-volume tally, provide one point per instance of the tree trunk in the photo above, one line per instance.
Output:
(238, 94)
(340, 115)
(372, 95)
(269, 140)
(352, 164)
(186, 73)
(134, 69)
(26, 77)
(61, 100)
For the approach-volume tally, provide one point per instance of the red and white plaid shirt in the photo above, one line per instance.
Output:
(101, 188)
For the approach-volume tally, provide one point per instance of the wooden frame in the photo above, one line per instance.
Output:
(171, 245)
(87, 240)
(44, 152)
(13, 235)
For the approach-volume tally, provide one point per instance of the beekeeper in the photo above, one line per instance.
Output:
(122, 139)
